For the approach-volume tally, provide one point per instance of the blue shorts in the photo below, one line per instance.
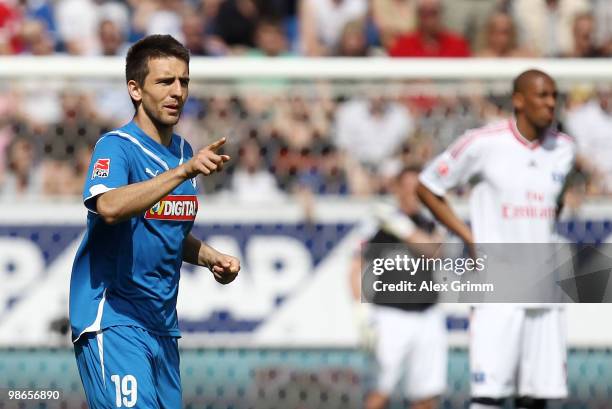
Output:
(128, 367)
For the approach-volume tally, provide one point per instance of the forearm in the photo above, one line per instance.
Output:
(224, 267)
(355, 278)
(444, 213)
(134, 199)
(421, 242)
(197, 252)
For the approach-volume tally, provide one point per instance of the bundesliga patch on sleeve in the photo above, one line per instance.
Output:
(101, 168)
(174, 207)
(442, 169)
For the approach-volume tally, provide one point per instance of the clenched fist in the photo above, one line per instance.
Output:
(224, 267)
(206, 161)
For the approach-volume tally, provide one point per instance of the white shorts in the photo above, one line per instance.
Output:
(518, 351)
(411, 346)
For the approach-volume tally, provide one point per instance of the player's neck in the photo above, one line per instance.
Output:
(159, 133)
(527, 130)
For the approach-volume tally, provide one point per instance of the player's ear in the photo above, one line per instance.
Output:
(134, 90)
(518, 100)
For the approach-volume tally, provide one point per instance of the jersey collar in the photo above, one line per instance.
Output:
(517, 135)
(135, 130)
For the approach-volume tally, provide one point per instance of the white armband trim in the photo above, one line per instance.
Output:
(94, 191)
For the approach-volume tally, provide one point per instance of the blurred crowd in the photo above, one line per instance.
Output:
(350, 28)
(311, 141)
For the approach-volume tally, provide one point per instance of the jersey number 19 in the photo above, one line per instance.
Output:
(126, 390)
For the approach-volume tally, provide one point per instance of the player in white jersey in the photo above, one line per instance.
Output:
(521, 165)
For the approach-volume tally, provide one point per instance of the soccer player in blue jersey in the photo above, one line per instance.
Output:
(141, 197)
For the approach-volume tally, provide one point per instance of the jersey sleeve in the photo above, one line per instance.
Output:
(455, 166)
(108, 170)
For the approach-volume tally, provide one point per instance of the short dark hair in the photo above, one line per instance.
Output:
(153, 46)
(522, 81)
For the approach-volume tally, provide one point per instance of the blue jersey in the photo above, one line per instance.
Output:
(128, 273)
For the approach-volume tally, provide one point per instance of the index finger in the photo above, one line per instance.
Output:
(216, 145)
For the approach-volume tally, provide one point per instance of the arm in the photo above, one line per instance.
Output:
(440, 208)
(127, 201)
(355, 277)
(224, 267)
(401, 226)
(130, 200)
(421, 242)
(452, 168)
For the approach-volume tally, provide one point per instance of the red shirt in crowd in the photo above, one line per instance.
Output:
(448, 45)
(10, 20)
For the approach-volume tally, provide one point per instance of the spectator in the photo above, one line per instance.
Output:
(270, 39)
(322, 21)
(590, 124)
(43, 11)
(8, 108)
(301, 123)
(215, 46)
(431, 39)
(500, 38)
(273, 9)
(301, 129)
(112, 103)
(77, 25)
(82, 157)
(22, 179)
(38, 103)
(111, 39)
(166, 18)
(221, 115)
(250, 181)
(77, 129)
(370, 132)
(210, 11)
(393, 18)
(602, 10)
(194, 35)
(353, 41)
(327, 176)
(469, 18)
(118, 12)
(37, 40)
(10, 24)
(236, 22)
(583, 32)
(546, 25)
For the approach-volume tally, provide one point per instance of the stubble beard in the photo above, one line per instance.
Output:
(157, 118)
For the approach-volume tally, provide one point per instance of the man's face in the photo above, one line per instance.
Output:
(110, 37)
(500, 32)
(429, 15)
(165, 90)
(271, 39)
(538, 101)
(583, 35)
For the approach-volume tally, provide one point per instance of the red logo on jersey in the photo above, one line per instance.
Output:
(101, 168)
(511, 211)
(174, 207)
(442, 169)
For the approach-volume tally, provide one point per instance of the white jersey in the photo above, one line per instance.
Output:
(519, 181)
